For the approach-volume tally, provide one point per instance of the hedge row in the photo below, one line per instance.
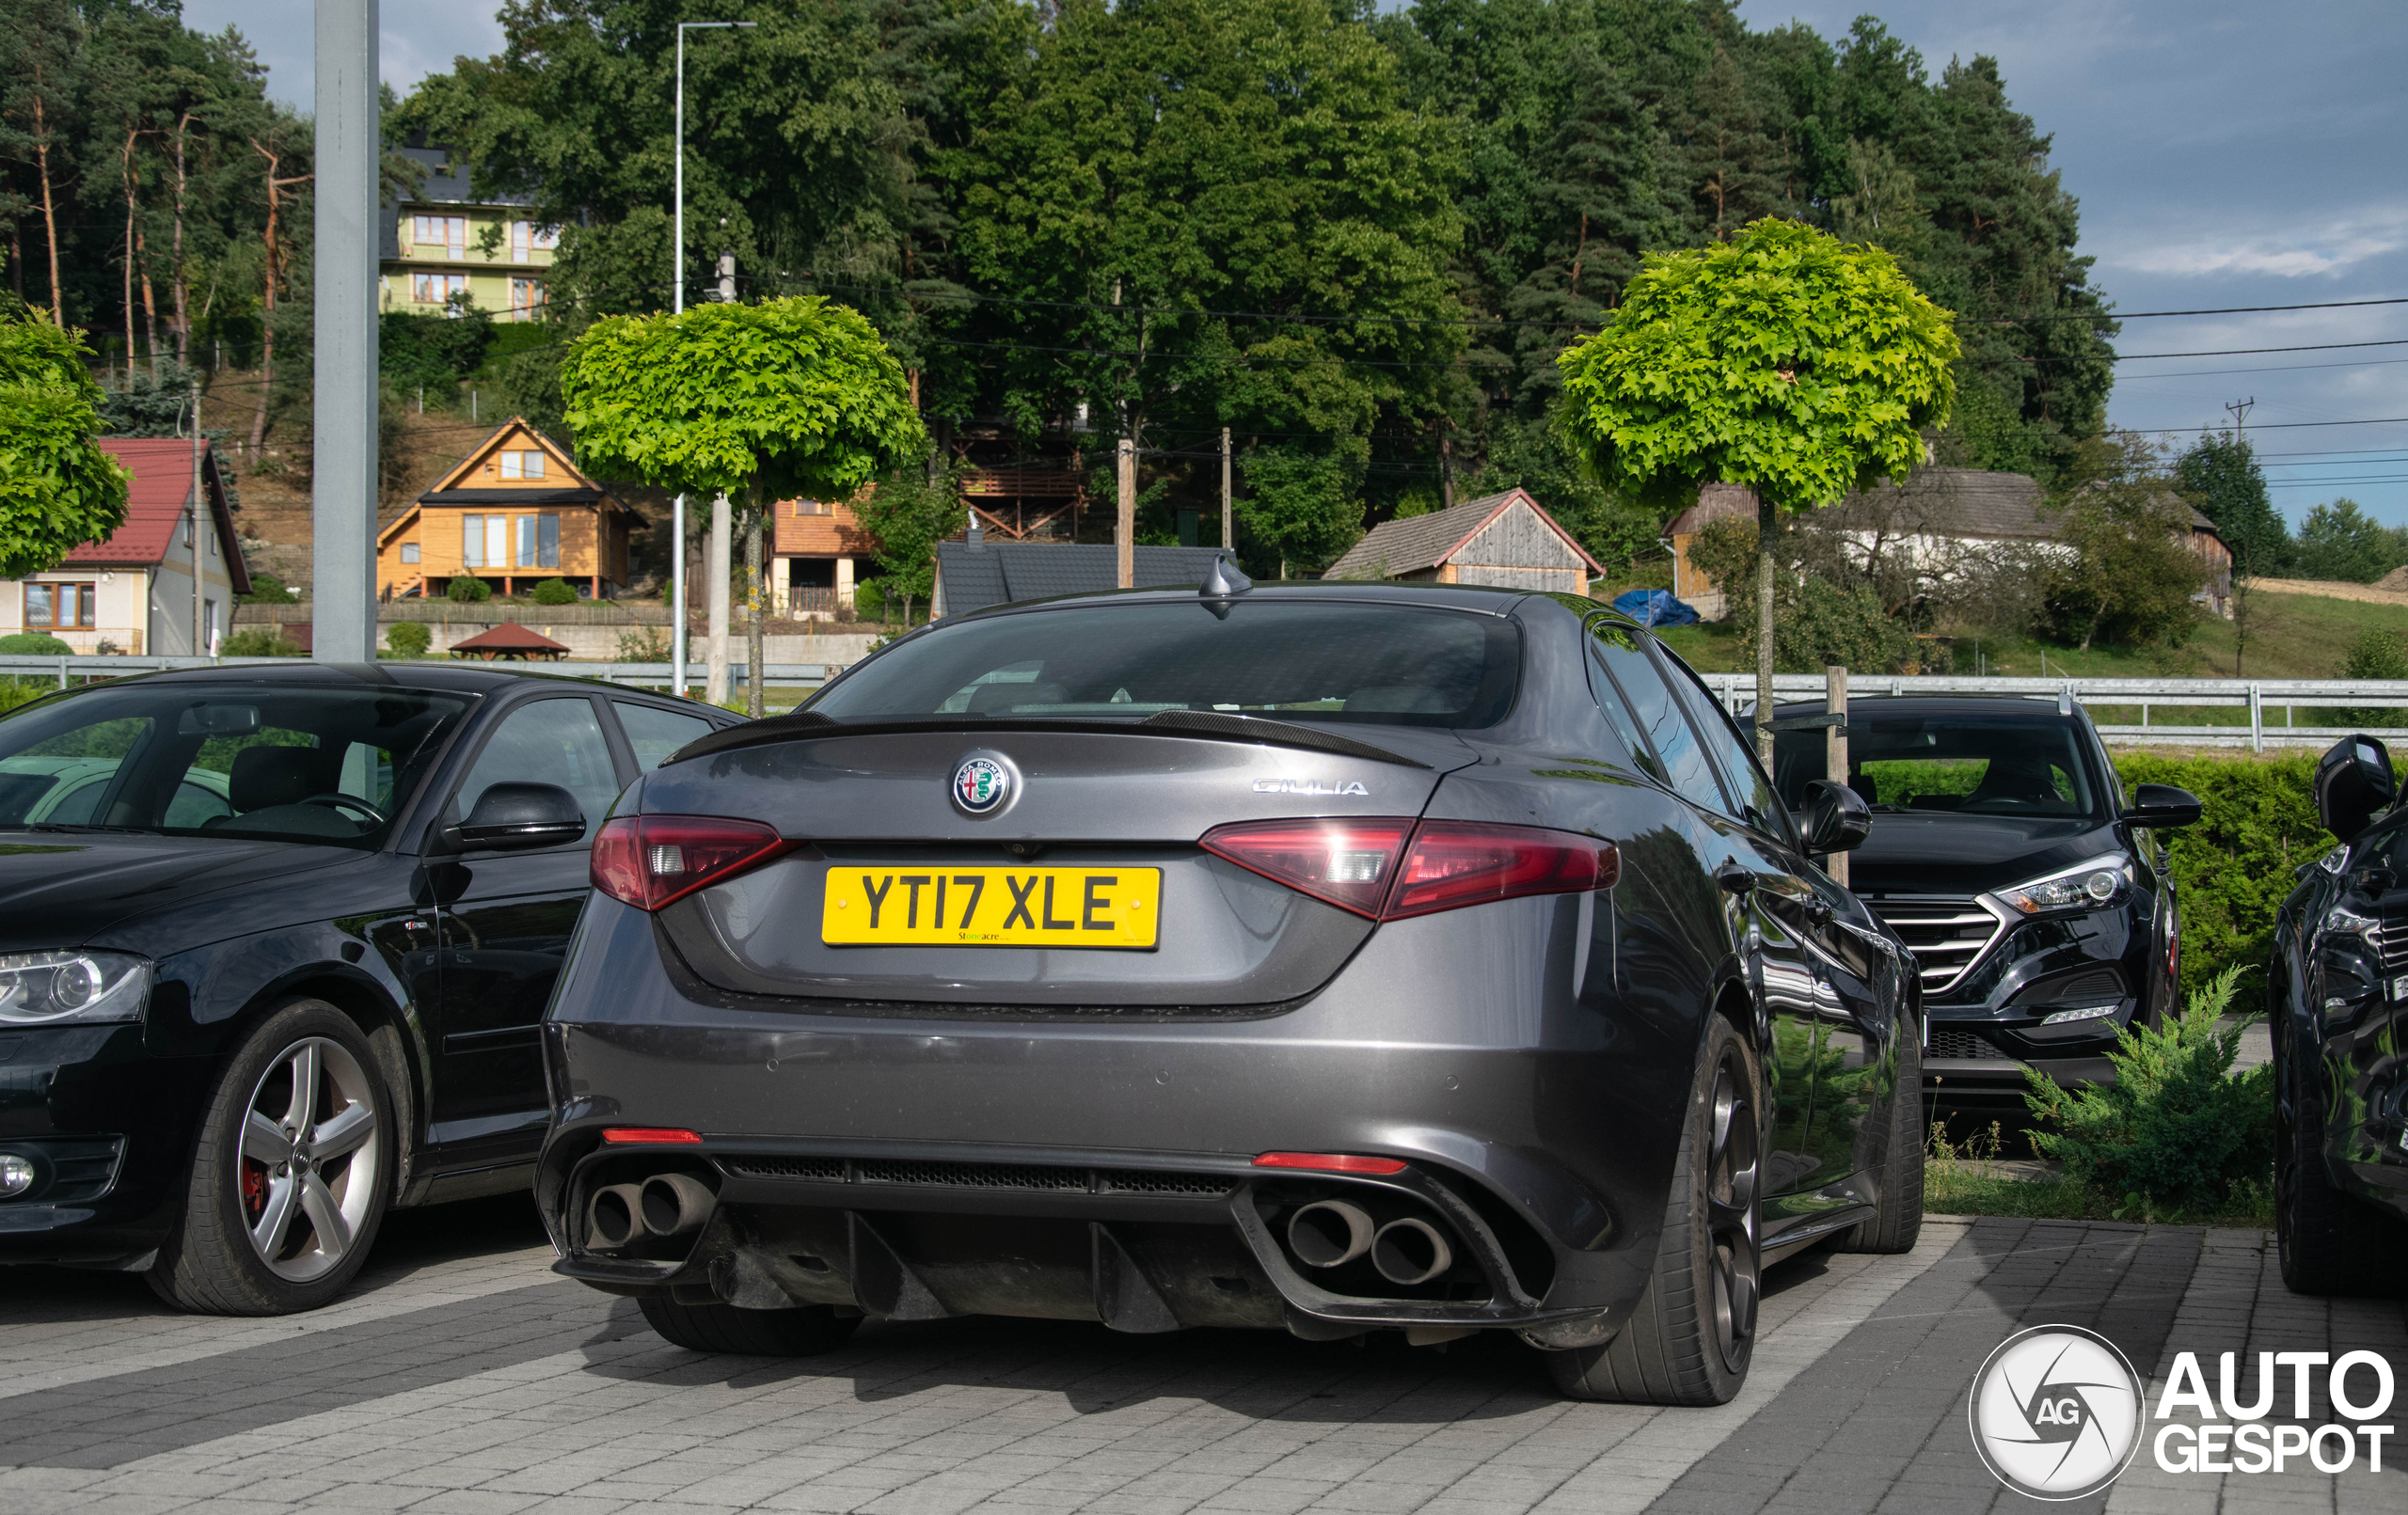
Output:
(2236, 866)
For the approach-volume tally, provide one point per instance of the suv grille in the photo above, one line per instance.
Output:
(1020, 1176)
(1958, 1044)
(2391, 939)
(1948, 936)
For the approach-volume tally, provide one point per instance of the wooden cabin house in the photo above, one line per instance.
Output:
(1506, 540)
(513, 513)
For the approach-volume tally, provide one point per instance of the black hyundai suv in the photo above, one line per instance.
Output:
(2039, 909)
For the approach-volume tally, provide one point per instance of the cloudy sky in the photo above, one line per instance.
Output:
(2225, 155)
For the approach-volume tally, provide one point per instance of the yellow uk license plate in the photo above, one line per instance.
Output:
(891, 906)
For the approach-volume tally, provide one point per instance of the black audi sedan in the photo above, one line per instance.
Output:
(274, 942)
(2336, 1002)
(2038, 904)
(1328, 957)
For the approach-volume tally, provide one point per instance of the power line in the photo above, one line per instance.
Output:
(2237, 351)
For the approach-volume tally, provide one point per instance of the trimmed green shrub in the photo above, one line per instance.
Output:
(870, 601)
(32, 643)
(15, 692)
(466, 589)
(555, 591)
(408, 638)
(2177, 1133)
(260, 641)
(2232, 870)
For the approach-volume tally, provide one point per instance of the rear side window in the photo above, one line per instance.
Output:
(1604, 634)
(655, 732)
(1334, 661)
(1683, 761)
(1752, 790)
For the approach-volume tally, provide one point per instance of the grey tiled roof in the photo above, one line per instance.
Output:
(998, 572)
(1414, 542)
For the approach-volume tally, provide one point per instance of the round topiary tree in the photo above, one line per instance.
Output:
(760, 402)
(1784, 361)
(57, 487)
(555, 591)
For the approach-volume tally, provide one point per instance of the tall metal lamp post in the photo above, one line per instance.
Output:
(678, 296)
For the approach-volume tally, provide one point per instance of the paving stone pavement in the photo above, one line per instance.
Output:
(462, 1378)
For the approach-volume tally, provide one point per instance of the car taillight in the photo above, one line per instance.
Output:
(1349, 863)
(1454, 863)
(649, 861)
(1444, 865)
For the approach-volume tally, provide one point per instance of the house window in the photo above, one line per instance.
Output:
(528, 237)
(526, 297)
(409, 552)
(811, 507)
(59, 606)
(529, 464)
(485, 541)
(437, 235)
(434, 289)
(539, 542)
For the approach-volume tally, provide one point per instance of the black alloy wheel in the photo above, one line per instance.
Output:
(1689, 1340)
(292, 1174)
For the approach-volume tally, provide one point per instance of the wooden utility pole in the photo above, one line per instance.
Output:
(1124, 533)
(1229, 514)
(1446, 473)
(1835, 750)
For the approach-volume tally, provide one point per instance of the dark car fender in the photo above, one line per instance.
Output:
(205, 1000)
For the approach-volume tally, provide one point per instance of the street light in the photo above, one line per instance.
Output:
(677, 297)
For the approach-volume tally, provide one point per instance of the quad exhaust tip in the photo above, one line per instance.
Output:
(664, 1205)
(1410, 1252)
(676, 1203)
(613, 1215)
(1329, 1232)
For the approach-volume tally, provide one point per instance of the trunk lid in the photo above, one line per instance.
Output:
(878, 807)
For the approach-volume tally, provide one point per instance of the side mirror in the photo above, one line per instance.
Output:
(1837, 818)
(513, 817)
(2163, 807)
(2354, 784)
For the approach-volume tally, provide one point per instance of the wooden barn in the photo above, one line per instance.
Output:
(1506, 540)
(513, 513)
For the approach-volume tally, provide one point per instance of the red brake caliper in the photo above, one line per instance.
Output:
(254, 1188)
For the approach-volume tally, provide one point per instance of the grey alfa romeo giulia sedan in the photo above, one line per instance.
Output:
(1325, 957)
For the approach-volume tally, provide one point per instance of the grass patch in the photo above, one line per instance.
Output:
(1970, 1178)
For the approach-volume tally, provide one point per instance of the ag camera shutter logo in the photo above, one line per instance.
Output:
(2056, 1412)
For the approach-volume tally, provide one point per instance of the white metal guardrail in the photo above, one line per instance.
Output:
(2259, 697)
(65, 670)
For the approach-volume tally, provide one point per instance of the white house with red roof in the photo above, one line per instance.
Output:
(134, 591)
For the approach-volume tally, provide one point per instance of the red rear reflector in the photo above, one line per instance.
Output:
(623, 1135)
(1329, 1162)
(649, 861)
(1350, 864)
(1445, 864)
(1454, 863)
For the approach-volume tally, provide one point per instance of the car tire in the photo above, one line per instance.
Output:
(2329, 1242)
(1897, 1217)
(263, 1237)
(1691, 1338)
(723, 1328)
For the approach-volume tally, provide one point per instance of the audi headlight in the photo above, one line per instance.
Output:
(2091, 886)
(53, 988)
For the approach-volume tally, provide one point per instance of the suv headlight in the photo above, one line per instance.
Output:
(54, 988)
(2090, 886)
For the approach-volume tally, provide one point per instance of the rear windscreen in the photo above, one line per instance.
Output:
(1951, 764)
(1382, 664)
